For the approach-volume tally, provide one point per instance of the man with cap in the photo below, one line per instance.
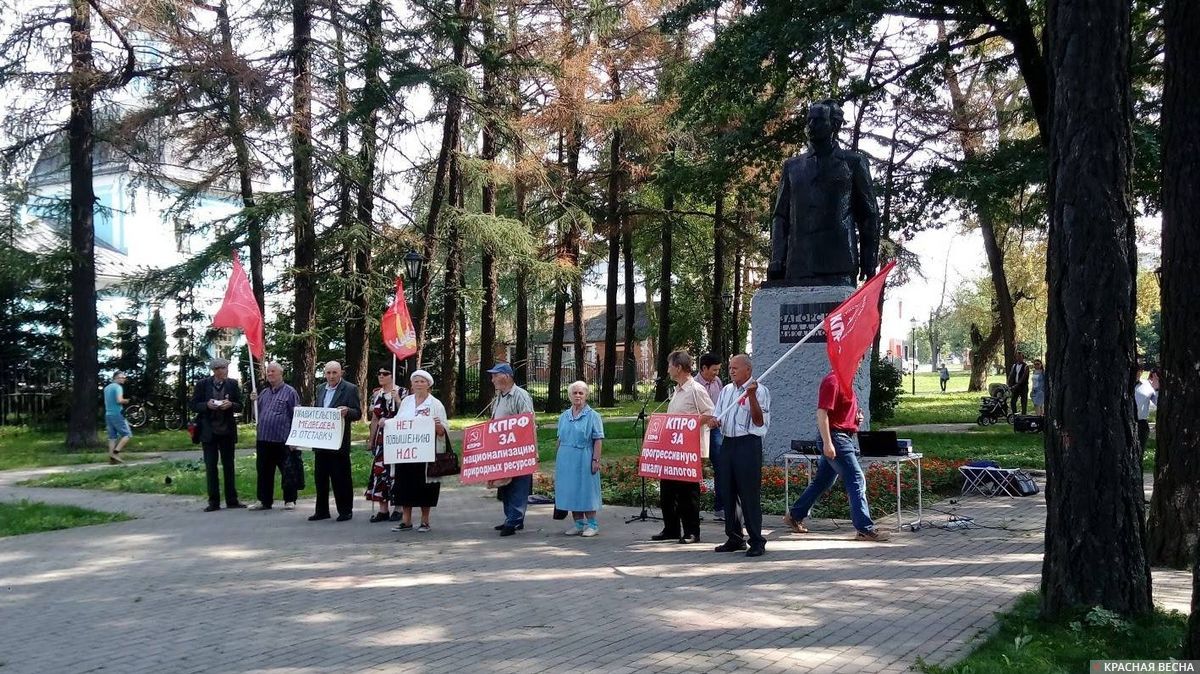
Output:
(332, 466)
(511, 400)
(216, 400)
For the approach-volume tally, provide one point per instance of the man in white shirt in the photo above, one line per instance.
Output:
(1145, 397)
(744, 414)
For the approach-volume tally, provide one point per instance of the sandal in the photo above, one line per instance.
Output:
(796, 527)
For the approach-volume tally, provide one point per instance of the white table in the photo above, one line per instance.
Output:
(811, 459)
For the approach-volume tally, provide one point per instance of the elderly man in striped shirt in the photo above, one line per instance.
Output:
(275, 406)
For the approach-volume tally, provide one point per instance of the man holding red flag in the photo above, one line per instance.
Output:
(849, 330)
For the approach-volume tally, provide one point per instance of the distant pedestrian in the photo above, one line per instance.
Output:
(944, 376)
(114, 418)
(1018, 383)
(1145, 397)
(216, 400)
(276, 405)
(1037, 390)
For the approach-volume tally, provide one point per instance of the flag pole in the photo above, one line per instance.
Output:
(253, 385)
(774, 365)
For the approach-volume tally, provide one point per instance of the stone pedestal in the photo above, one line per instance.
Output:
(780, 317)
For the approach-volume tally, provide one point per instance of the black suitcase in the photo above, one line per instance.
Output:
(1028, 423)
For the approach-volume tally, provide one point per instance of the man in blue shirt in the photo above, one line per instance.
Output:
(114, 418)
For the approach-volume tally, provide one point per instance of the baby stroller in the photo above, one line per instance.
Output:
(993, 408)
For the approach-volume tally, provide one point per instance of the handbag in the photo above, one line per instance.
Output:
(444, 463)
(293, 470)
(193, 429)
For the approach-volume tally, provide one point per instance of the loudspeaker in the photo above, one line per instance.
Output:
(1028, 423)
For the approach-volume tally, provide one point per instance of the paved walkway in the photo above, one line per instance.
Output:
(235, 591)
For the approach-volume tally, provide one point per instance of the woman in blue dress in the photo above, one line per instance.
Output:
(577, 464)
(1037, 393)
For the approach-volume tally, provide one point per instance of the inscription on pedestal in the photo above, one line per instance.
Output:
(795, 320)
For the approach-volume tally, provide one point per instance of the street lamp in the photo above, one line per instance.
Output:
(414, 264)
(1158, 275)
(912, 353)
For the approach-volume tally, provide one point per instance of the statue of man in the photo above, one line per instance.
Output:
(825, 230)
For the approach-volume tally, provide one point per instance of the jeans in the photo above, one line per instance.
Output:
(845, 466)
(714, 457)
(515, 496)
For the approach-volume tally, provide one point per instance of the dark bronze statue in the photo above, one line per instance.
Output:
(825, 230)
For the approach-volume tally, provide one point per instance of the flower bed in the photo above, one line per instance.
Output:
(620, 485)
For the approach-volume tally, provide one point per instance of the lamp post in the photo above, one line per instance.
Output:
(912, 353)
(414, 264)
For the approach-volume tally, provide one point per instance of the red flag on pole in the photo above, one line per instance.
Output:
(240, 310)
(850, 328)
(399, 335)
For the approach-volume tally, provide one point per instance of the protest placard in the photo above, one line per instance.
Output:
(504, 447)
(672, 446)
(408, 440)
(316, 428)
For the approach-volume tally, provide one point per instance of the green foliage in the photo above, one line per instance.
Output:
(154, 374)
(1026, 643)
(29, 517)
(886, 387)
(128, 359)
(1149, 339)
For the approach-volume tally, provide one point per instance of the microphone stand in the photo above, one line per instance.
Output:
(645, 515)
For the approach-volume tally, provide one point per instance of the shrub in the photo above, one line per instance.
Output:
(886, 386)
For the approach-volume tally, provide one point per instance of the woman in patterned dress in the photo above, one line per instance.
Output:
(385, 404)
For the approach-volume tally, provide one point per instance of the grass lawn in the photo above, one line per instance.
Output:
(1025, 643)
(23, 447)
(931, 406)
(27, 517)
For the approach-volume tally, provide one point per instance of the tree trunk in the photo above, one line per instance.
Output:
(983, 350)
(574, 237)
(609, 375)
(241, 150)
(664, 303)
(488, 151)
(554, 401)
(629, 382)
(736, 338)
(452, 298)
(716, 302)
(81, 424)
(1175, 506)
(1094, 500)
(304, 350)
(521, 352)
(451, 130)
(1191, 642)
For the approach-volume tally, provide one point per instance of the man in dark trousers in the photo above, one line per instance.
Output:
(1018, 382)
(333, 466)
(216, 400)
(744, 407)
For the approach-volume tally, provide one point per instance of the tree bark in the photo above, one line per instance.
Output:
(983, 350)
(1175, 506)
(521, 352)
(609, 375)
(664, 303)
(736, 337)
(452, 296)
(488, 151)
(554, 401)
(629, 382)
(1094, 500)
(574, 239)
(81, 423)
(304, 349)
(1191, 642)
(716, 302)
(241, 150)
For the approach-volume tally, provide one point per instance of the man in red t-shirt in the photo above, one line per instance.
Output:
(838, 417)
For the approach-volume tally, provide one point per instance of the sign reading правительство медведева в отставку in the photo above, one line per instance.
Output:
(316, 428)
(1144, 666)
(500, 448)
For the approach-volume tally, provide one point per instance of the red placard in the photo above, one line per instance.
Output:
(504, 447)
(671, 448)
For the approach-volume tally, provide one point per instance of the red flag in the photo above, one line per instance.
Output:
(850, 328)
(399, 335)
(240, 310)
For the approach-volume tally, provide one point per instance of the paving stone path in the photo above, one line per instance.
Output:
(177, 590)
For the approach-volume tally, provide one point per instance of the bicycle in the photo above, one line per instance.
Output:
(140, 414)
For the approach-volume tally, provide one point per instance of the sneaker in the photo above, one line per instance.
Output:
(874, 536)
(258, 506)
(575, 530)
(402, 527)
(424, 529)
(590, 531)
(797, 527)
(290, 505)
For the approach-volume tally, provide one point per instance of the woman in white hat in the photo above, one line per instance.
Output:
(412, 487)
